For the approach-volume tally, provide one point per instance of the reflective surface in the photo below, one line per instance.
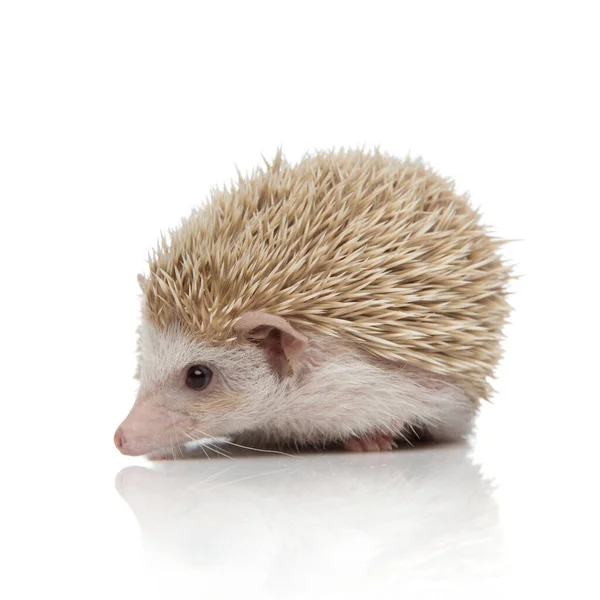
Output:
(491, 519)
(418, 519)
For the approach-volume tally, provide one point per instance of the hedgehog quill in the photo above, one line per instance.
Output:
(352, 300)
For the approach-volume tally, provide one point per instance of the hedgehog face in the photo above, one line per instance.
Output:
(190, 389)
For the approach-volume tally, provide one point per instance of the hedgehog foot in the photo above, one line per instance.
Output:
(370, 443)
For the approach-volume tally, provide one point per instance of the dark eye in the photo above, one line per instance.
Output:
(198, 377)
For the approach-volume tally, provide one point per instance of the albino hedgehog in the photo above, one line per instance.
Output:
(353, 299)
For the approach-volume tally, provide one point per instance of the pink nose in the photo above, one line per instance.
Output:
(119, 439)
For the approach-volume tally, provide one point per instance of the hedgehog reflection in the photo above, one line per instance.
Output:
(420, 517)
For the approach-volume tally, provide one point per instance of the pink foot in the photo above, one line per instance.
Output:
(371, 443)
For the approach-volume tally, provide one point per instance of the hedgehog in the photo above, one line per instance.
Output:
(352, 300)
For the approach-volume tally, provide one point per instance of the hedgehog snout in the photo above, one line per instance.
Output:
(119, 439)
(126, 443)
(149, 426)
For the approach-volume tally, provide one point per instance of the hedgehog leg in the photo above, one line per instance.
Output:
(370, 443)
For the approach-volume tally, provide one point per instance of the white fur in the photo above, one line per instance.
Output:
(344, 395)
(332, 395)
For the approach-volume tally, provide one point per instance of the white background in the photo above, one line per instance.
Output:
(116, 118)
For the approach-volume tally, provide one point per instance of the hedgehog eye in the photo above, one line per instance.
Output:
(198, 377)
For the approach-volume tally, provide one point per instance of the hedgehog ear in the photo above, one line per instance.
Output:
(141, 281)
(283, 343)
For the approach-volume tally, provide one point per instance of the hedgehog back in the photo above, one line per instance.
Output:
(371, 250)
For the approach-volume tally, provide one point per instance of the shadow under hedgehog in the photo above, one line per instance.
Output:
(352, 299)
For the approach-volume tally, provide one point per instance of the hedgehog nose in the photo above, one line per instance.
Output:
(119, 439)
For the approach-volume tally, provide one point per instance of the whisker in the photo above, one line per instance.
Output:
(171, 445)
(249, 447)
(181, 450)
(213, 449)
(212, 446)
(193, 439)
(203, 450)
(260, 449)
